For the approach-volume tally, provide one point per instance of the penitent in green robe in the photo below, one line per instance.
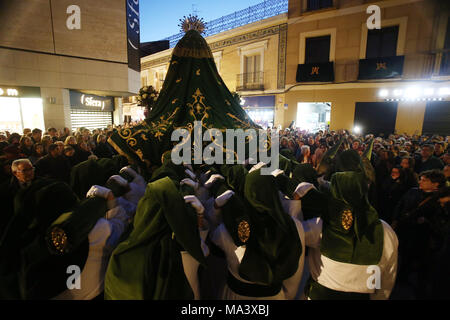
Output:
(148, 265)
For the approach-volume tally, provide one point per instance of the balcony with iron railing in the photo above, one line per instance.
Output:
(260, 11)
(428, 65)
(250, 81)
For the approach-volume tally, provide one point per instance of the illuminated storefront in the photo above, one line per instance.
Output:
(20, 107)
(131, 110)
(313, 116)
(261, 109)
(90, 111)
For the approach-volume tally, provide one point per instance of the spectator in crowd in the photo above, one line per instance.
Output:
(69, 154)
(102, 150)
(392, 190)
(439, 149)
(46, 142)
(37, 152)
(427, 160)
(415, 222)
(53, 134)
(23, 176)
(54, 165)
(14, 138)
(26, 146)
(447, 175)
(305, 156)
(411, 178)
(36, 135)
(65, 133)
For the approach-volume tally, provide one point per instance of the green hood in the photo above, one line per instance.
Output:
(274, 247)
(148, 264)
(305, 172)
(327, 163)
(45, 260)
(94, 172)
(36, 207)
(352, 231)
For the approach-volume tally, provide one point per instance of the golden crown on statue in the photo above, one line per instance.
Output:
(192, 22)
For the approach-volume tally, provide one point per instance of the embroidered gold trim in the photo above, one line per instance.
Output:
(243, 231)
(59, 239)
(347, 219)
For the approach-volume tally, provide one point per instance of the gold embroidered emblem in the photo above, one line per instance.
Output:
(59, 239)
(178, 80)
(197, 72)
(243, 231)
(347, 219)
(174, 100)
(381, 65)
(315, 70)
(174, 62)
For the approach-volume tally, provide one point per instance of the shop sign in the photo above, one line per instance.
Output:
(20, 92)
(92, 102)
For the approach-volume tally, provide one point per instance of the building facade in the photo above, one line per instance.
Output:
(321, 64)
(342, 73)
(251, 60)
(67, 63)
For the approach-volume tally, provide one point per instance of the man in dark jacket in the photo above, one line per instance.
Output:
(417, 221)
(427, 160)
(54, 165)
(23, 176)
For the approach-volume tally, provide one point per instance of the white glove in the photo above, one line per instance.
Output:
(190, 174)
(215, 177)
(137, 178)
(128, 170)
(322, 182)
(303, 189)
(277, 172)
(189, 167)
(99, 191)
(223, 198)
(119, 180)
(102, 192)
(257, 166)
(190, 183)
(136, 193)
(195, 203)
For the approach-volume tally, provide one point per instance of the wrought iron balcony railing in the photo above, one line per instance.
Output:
(250, 81)
(260, 11)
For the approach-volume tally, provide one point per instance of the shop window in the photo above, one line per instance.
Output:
(376, 117)
(19, 113)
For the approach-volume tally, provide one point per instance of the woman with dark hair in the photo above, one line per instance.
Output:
(37, 152)
(26, 146)
(46, 142)
(14, 138)
(411, 178)
(393, 188)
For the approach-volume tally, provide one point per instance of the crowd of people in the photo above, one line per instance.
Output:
(409, 193)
